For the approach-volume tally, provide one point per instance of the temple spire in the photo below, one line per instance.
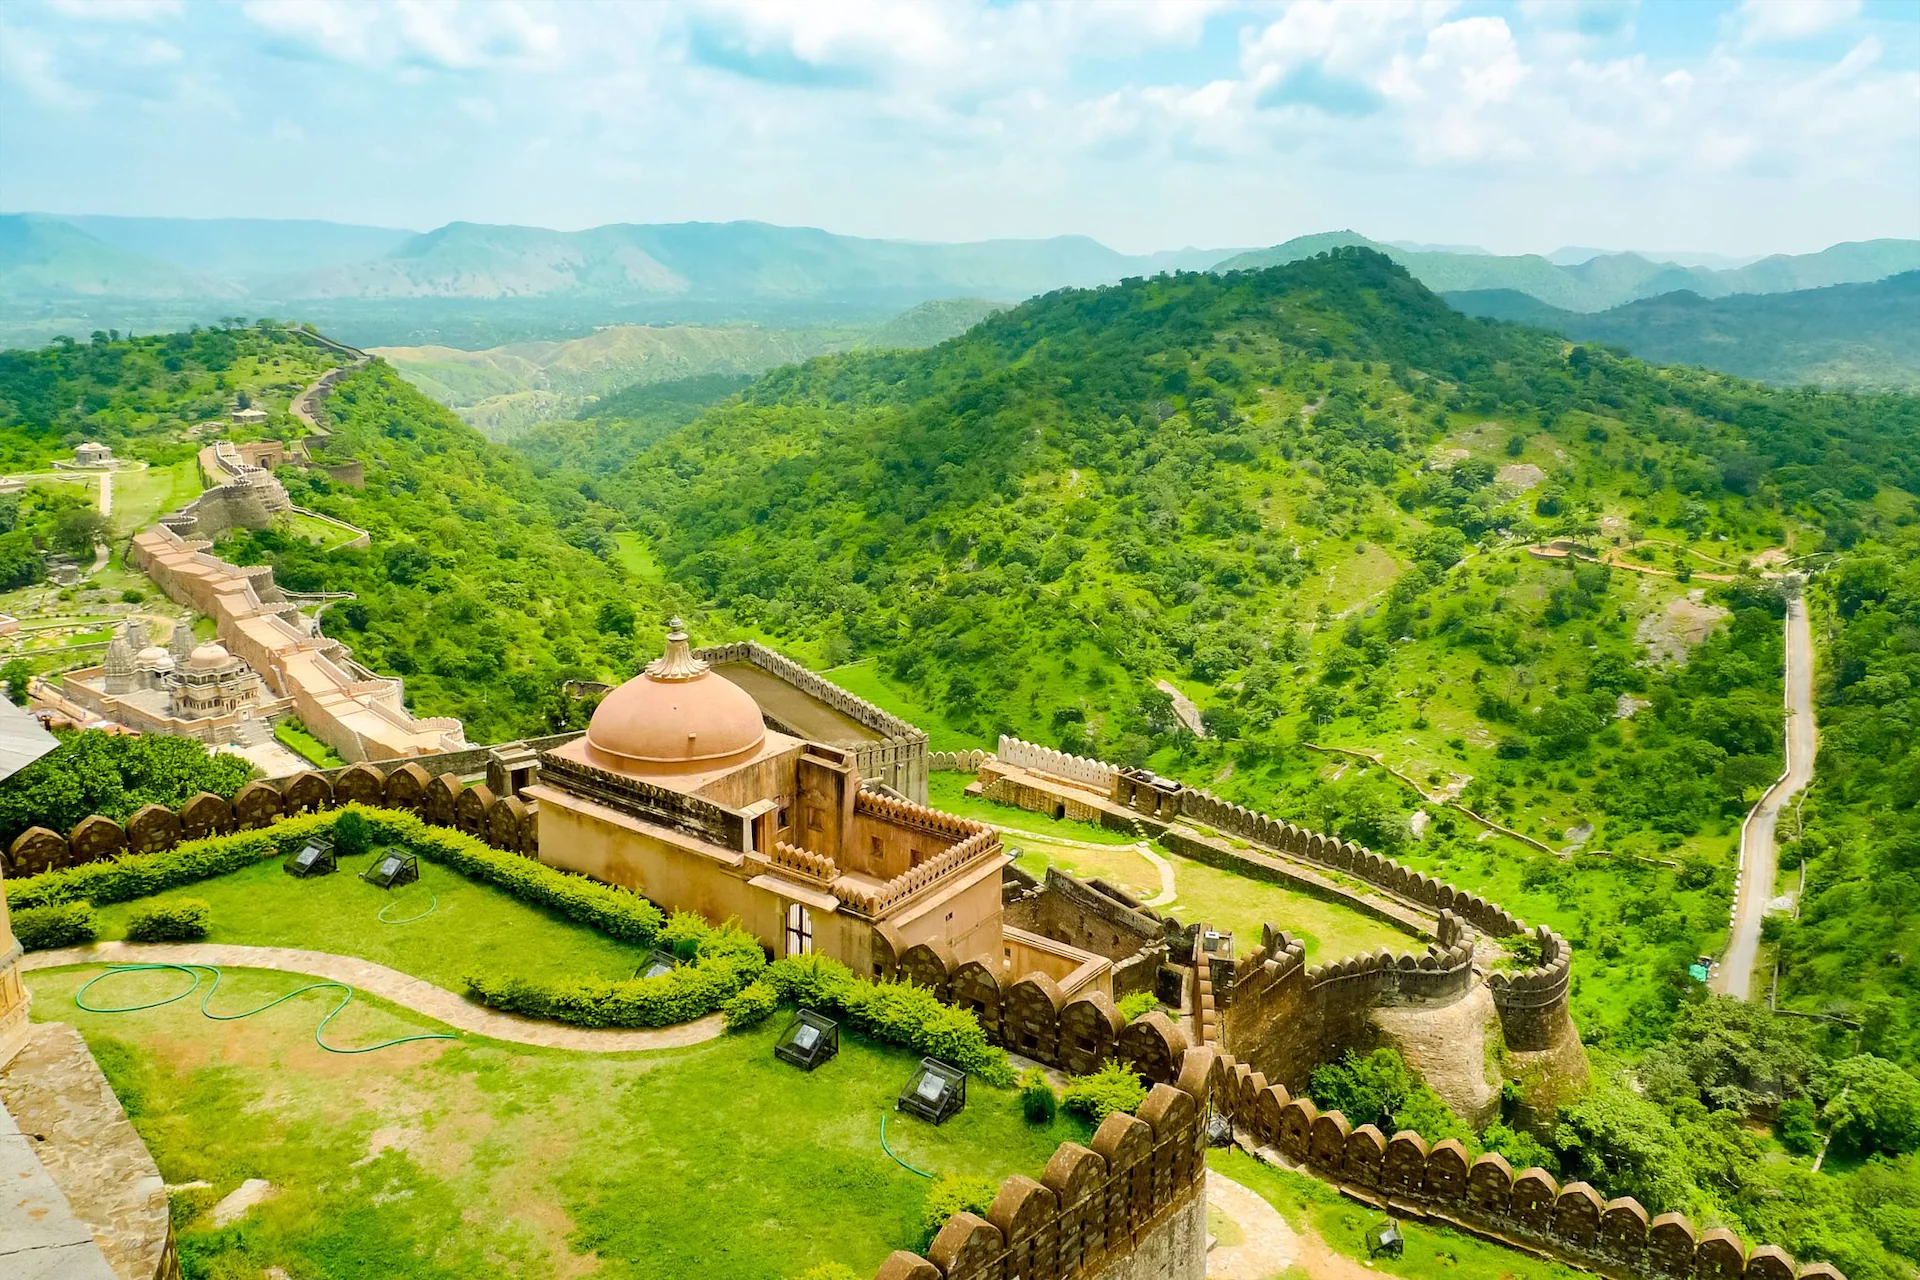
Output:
(678, 662)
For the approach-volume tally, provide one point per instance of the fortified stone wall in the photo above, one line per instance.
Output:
(1096, 774)
(899, 759)
(1025, 1233)
(1081, 915)
(505, 822)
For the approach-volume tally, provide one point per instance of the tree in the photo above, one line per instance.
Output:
(78, 530)
(93, 772)
(1875, 1107)
(16, 674)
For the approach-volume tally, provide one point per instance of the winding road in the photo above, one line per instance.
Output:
(1759, 855)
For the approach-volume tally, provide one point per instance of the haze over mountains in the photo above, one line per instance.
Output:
(473, 288)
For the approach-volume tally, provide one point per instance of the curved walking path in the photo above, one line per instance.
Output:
(391, 985)
(1759, 856)
(1168, 890)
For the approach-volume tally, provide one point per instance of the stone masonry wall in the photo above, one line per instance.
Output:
(505, 822)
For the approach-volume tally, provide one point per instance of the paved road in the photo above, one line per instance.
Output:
(1758, 854)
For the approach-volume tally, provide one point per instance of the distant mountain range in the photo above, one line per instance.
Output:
(1865, 336)
(1609, 280)
(473, 286)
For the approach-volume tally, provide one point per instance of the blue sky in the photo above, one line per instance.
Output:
(1739, 127)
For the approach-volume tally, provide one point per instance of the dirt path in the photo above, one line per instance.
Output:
(1759, 855)
(390, 985)
(1266, 1244)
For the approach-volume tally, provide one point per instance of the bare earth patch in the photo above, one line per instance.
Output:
(1520, 476)
(1670, 635)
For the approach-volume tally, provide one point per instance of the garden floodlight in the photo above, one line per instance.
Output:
(392, 869)
(1385, 1238)
(936, 1093)
(809, 1040)
(315, 858)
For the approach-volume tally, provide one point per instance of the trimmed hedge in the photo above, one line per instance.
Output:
(1114, 1087)
(726, 959)
(183, 920)
(66, 924)
(897, 1012)
(752, 1006)
(614, 911)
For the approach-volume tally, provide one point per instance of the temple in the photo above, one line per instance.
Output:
(194, 690)
(681, 791)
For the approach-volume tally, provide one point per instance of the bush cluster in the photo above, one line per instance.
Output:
(1114, 1087)
(953, 1193)
(1138, 1004)
(182, 920)
(66, 924)
(1037, 1100)
(897, 1012)
(725, 960)
(753, 1005)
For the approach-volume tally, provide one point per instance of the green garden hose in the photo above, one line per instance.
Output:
(433, 907)
(193, 971)
(883, 1145)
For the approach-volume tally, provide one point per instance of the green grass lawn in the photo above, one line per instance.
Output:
(293, 735)
(445, 1160)
(476, 927)
(863, 680)
(948, 793)
(141, 497)
(1342, 1224)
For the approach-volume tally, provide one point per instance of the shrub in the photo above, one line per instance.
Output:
(753, 1005)
(351, 835)
(183, 920)
(1114, 1087)
(68, 924)
(1795, 1125)
(897, 1012)
(1138, 1004)
(1037, 1101)
(953, 1193)
(726, 960)
(613, 911)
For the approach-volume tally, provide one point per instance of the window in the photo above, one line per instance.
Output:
(799, 930)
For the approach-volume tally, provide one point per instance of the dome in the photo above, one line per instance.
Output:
(677, 711)
(209, 656)
(153, 656)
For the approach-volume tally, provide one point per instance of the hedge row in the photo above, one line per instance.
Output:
(613, 911)
(65, 924)
(718, 963)
(897, 1012)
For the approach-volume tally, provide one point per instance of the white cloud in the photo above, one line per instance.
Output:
(446, 34)
(1768, 21)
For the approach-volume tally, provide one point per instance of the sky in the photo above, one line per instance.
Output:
(1741, 127)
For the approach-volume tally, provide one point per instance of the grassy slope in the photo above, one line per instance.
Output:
(448, 1160)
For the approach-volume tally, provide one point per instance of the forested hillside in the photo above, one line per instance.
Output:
(1860, 336)
(485, 588)
(1302, 498)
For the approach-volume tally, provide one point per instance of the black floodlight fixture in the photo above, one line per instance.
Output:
(936, 1092)
(1386, 1238)
(314, 858)
(392, 869)
(809, 1040)
(658, 963)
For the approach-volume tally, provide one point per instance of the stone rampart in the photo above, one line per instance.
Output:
(505, 822)
(1082, 915)
(1026, 1232)
(957, 761)
(1096, 774)
(898, 759)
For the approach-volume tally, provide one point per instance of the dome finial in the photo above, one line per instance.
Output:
(678, 662)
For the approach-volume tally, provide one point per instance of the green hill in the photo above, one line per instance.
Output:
(929, 324)
(43, 257)
(1864, 336)
(1608, 280)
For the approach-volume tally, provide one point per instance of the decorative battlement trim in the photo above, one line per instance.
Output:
(1573, 1222)
(905, 813)
(804, 863)
(958, 761)
(1028, 755)
(874, 902)
(884, 723)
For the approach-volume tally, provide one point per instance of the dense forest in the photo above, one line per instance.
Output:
(1302, 497)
